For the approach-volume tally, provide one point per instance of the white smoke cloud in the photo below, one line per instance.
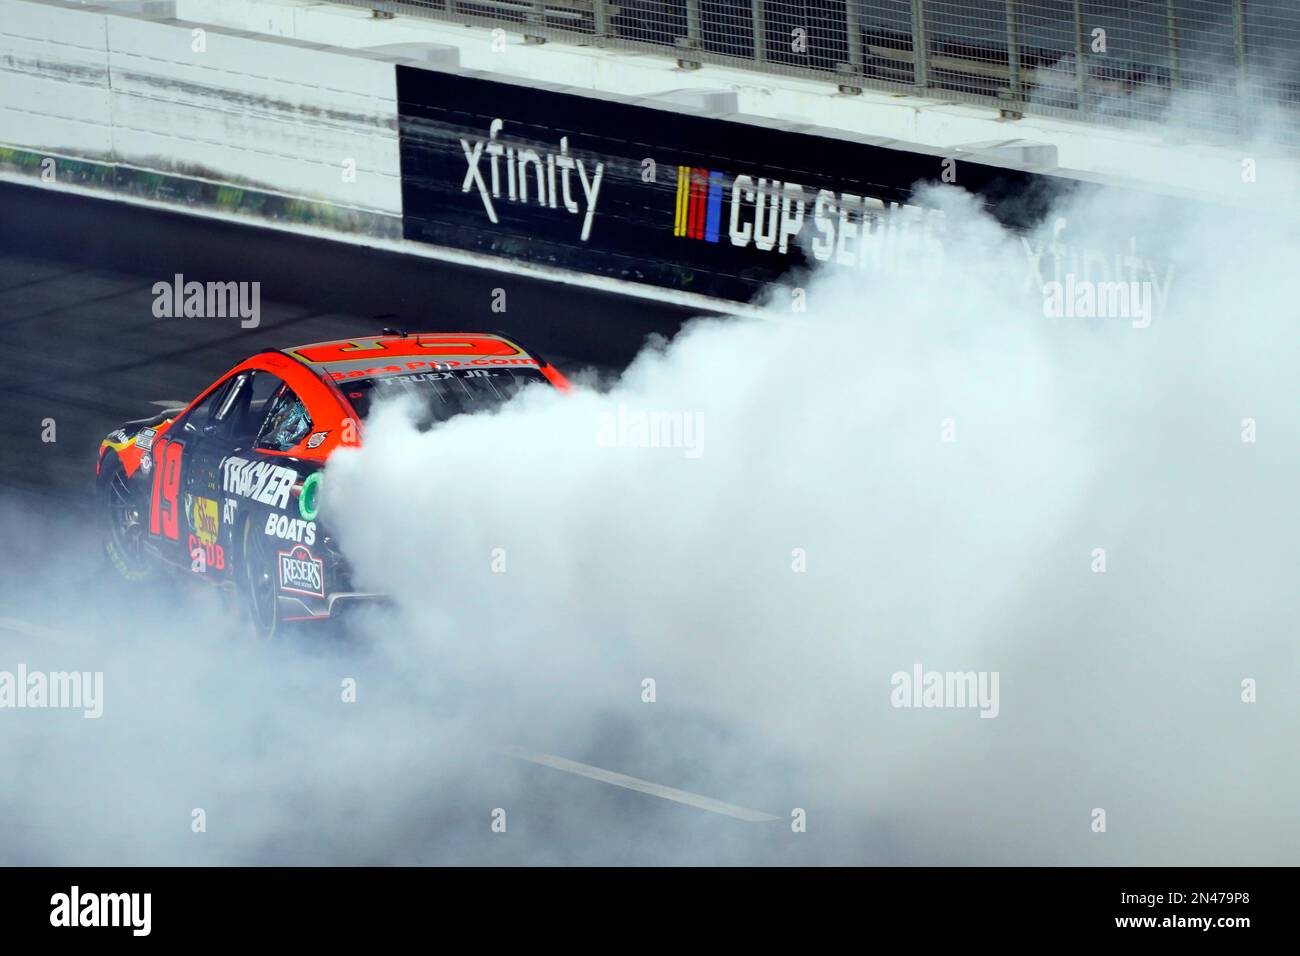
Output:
(821, 439)
(824, 431)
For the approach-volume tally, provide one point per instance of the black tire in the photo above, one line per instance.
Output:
(122, 513)
(258, 588)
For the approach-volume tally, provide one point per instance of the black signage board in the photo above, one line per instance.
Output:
(656, 196)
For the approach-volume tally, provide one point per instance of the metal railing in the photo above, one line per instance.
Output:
(1229, 67)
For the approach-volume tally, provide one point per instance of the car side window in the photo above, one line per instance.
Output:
(287, 422)
(247, 407)
(204, 414)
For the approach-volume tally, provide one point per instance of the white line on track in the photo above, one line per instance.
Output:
(169, 403)
(639, 785)
(531, 756)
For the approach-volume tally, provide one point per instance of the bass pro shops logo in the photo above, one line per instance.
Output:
(552, 173)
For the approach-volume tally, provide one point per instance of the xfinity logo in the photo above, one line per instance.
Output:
(102, 909)
(552, 173)
(1071, 275)
(302, 572)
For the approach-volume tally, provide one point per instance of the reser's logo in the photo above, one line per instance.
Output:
(301, 572)
(552, 173)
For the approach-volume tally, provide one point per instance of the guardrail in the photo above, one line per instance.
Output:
(1221, 66)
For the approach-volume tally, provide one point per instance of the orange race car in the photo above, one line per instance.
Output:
(227, 488)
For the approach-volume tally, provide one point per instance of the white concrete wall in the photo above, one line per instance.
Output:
(54, 79)
(264, 112)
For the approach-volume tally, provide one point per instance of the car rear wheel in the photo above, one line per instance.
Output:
(260, 590)
(122, 516)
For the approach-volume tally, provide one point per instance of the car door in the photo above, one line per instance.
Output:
(208, 440)
(228, 433)
(170, 504)
(283, 548)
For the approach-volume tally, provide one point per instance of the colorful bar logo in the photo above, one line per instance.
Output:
(699, 203)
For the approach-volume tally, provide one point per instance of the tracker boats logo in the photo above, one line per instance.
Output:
(291, 529)
(301, 572)
(551, 172)
(259, 480)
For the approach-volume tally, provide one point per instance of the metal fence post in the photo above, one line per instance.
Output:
(760, 30)
(1080, 55)
(599, 19)
(1239, 44)
(1239, 55)
(1171, 30)
(693, 24)
(920, 46)
(853, 24)
(1013, 48)
(537, 20)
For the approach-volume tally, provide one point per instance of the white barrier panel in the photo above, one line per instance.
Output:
(274, 115)
(313, 130)
(54, 82)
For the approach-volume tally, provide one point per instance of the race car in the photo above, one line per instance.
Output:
(227, 489)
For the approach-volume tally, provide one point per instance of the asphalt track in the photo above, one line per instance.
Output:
(81, 347)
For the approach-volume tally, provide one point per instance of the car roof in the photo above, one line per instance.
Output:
(374, 356)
